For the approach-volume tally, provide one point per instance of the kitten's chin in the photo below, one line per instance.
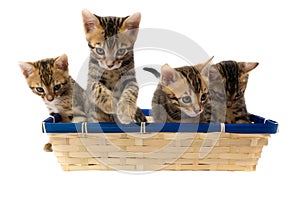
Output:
(193, 114)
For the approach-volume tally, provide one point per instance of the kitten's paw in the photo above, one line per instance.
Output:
(79, 119)
(96, 90)
(126, 112)
(48, 147)
(139, 116)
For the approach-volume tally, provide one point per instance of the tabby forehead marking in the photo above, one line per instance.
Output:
(111, 25)
(111, 42)
(192, 76)
(45, 71)
(230, 70)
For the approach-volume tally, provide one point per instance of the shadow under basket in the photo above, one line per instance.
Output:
(157, 146)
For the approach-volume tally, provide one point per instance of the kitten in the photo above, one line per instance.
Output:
(112, 87)
(226, 82)
(49, 78)
(181, 94)
(235, 78)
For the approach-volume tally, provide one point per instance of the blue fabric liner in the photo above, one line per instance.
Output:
(259, 126)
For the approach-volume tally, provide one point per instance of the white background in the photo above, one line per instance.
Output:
(263, 31)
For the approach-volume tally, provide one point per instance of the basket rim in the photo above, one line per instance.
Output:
(260, 125)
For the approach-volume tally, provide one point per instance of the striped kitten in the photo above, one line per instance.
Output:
(226, 82)
(181, 94)
(49, 78)
(112, 87)
(235, 78)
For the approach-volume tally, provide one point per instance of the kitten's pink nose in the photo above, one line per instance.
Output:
(110, 62)
(49, 97)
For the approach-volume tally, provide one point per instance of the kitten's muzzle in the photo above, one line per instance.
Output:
(49, 97)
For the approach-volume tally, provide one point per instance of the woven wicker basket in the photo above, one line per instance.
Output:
(154, 146)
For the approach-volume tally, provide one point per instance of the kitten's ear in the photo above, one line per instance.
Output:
(204, 68)
(62, 62)
(168, 75)
(203, 65)
(90, 21)
(27, 68)
(249, 66)
(133, 21)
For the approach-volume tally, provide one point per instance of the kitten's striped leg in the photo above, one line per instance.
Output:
(126, 107)
(102, 97)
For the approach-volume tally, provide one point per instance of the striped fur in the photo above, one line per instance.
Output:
(226, 83)
(112, 87)
(181, 94)
(49, 78)
(235, 78)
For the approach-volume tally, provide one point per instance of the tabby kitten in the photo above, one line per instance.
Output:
(49, 78)
(112, 87)
(235, 78)
(181, 94)
(226, 83)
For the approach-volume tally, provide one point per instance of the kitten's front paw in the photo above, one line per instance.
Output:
(139, 116)
(48, 147)
(126, 112)
(79, 119)
(96, 90)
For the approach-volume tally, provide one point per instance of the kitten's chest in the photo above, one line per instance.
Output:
(110, 79)
(235, 110)
(117, 81)
(61, 104)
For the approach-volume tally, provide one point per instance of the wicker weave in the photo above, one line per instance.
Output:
(158, 151)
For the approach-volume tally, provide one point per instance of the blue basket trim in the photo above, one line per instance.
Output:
(259, 126)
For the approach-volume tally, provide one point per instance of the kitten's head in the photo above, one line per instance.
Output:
(111, 39)
(48, 77)
(235, 77)
(185, 87)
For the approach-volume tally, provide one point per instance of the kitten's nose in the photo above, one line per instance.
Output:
(49, 97)
(110, 62)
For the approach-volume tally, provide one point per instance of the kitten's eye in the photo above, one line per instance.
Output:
(57, 87)
(39, 89)
(121, 52)
(203, 97)
(100, 51)
(187, 99)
